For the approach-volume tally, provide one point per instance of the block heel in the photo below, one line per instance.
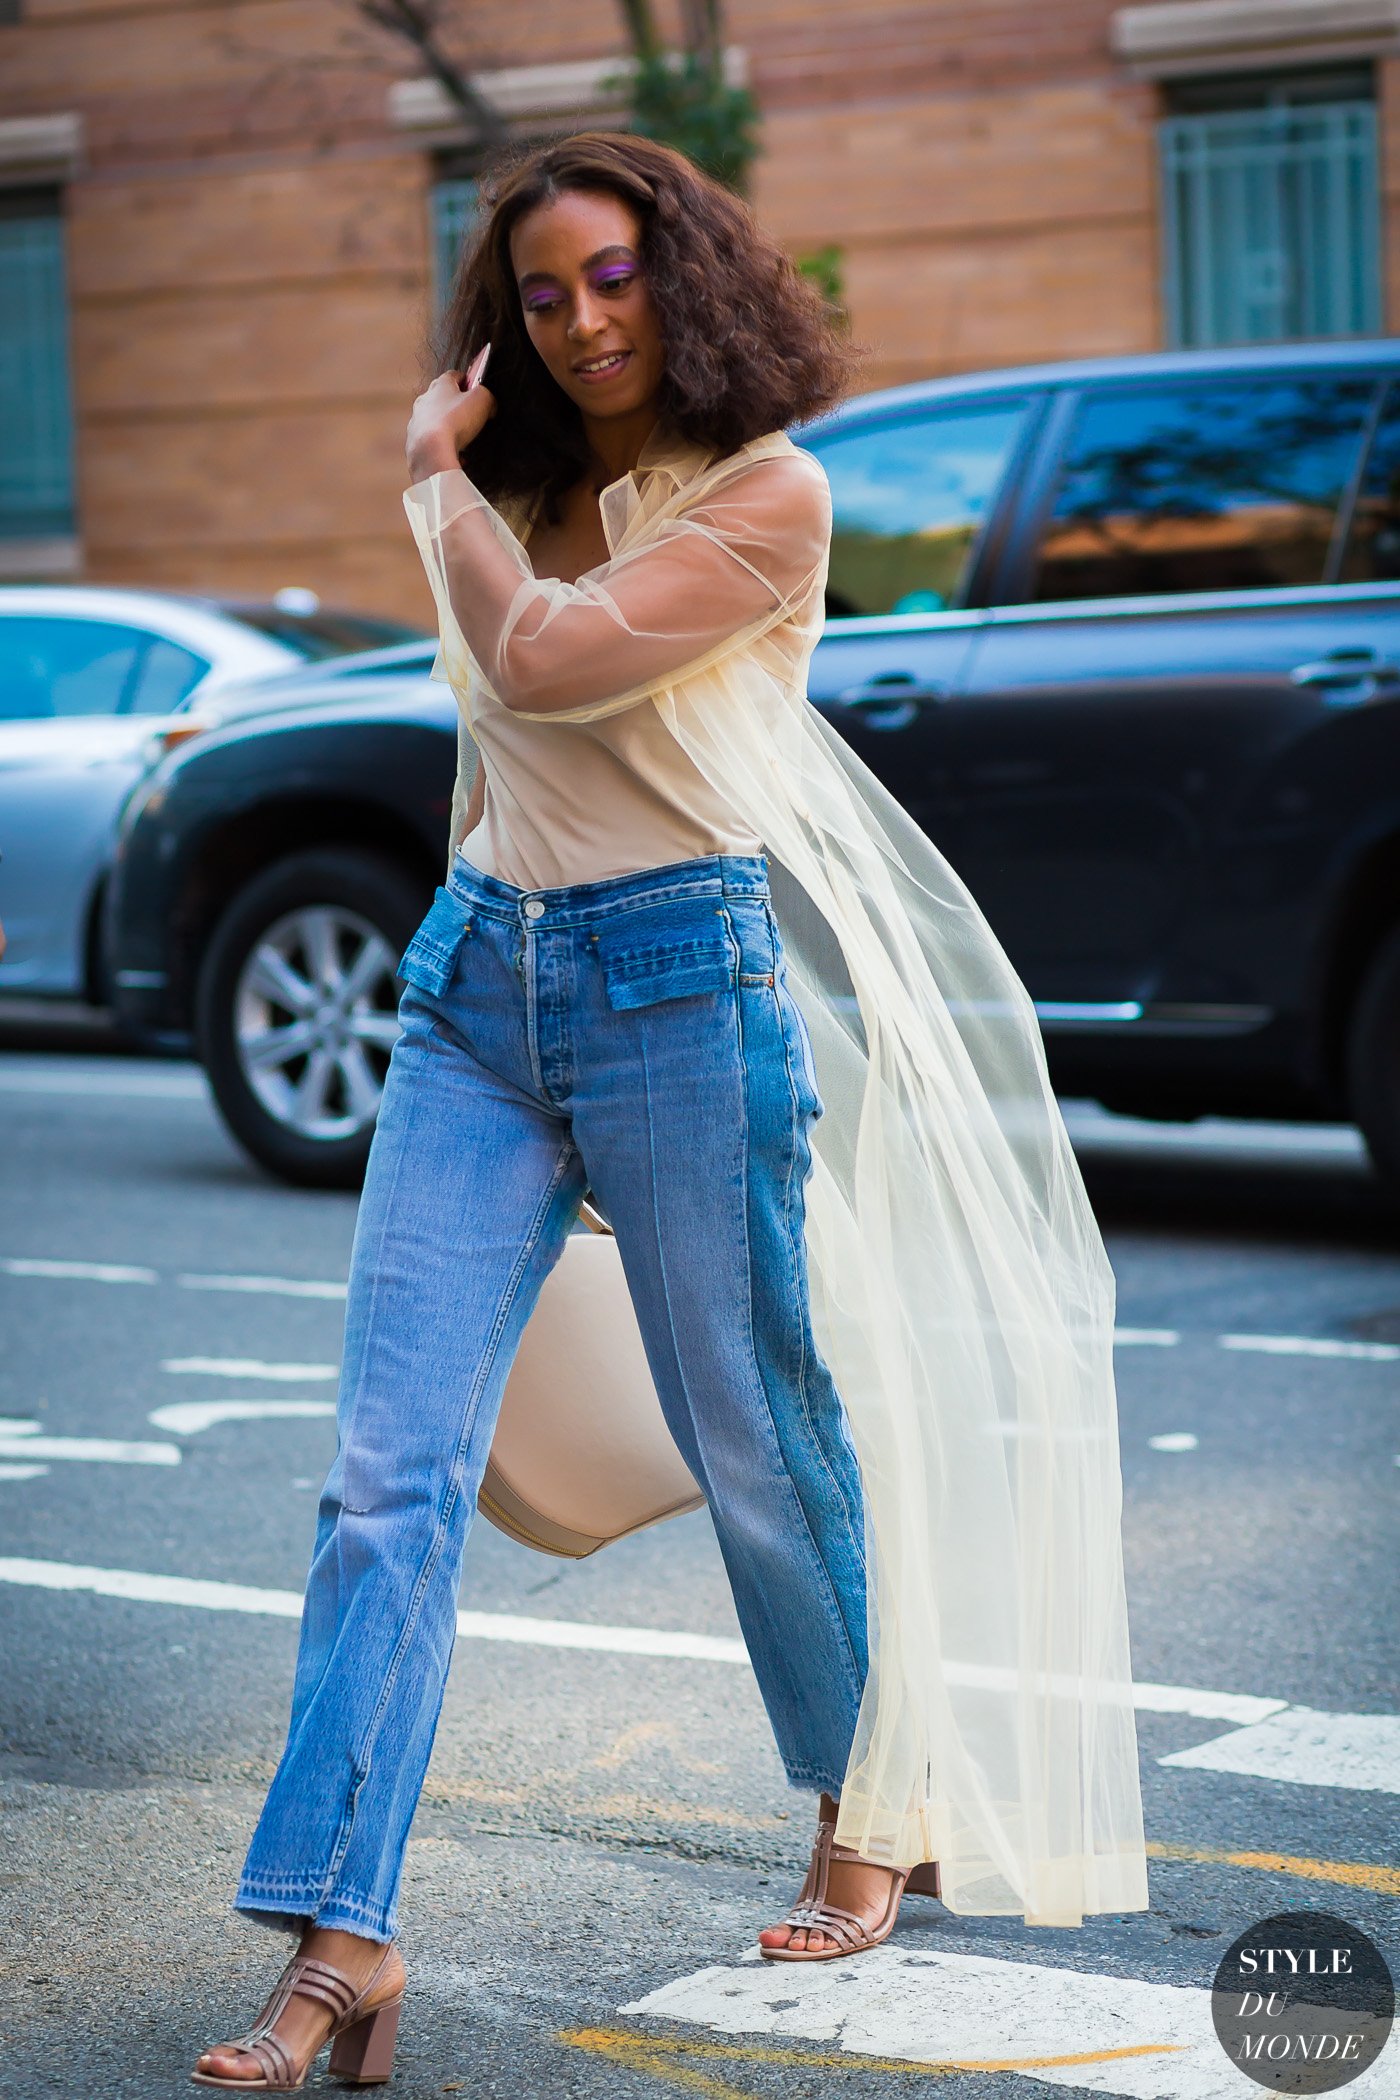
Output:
(364, 2054)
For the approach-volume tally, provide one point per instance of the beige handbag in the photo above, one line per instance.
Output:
(582, 1454)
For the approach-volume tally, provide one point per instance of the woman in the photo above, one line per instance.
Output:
(912, 1464)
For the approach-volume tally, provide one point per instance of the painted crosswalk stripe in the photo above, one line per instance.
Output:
(111, 1085)
(1321, 1346)
(249, 1367)
(79, 1271)
(286, 1604)
(190, 1417)
(1313, 1345)
(1321, 1749)
(270, 1286)
(970, 2012)
(111, 1451)
(1307, 1748)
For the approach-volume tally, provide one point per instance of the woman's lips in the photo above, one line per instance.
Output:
(620, 359)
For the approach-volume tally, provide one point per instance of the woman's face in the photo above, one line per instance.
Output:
(587, 310)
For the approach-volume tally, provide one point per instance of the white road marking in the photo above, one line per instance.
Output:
(8, 1472)
(1243, 1708)
(606, 1640)
(1240, 1707)
(79, 1271)
(286, 1604)
(1310, 1345)
(1307, 1748)
(189, 1417)
(152, 1589)
(1172, 1440)
(250, 1367)
(972, 2010)
(18, 1425)
(113, 1085)
(112, 1451)
(272, 1286)
(297, 1287)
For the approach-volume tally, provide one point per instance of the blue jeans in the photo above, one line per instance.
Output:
(635, 1037)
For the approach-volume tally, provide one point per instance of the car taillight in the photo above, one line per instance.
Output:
(170, 734)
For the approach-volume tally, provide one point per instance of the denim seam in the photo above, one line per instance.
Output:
(529, 955)
(794, 1217)
(829, 1600)
(347, 1814)
(365, 1758)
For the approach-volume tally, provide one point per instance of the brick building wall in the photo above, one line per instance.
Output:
(248, 239)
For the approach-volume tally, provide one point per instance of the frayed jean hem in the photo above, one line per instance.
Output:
(288, 1905)
(808, 1779)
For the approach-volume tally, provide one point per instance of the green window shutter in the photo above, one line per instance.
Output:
(454, 209)
(1271, 223)
(36, 433)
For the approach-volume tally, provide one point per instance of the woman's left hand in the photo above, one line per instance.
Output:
(446, 417)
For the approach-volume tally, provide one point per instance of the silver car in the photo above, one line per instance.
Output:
(94, 685)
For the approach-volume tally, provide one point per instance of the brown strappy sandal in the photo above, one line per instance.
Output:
(847, 1933)
(363, 2033)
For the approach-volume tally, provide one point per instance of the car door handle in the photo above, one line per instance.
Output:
(890, 701)
(1342, 670)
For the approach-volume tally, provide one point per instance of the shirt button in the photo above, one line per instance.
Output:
(534, 909)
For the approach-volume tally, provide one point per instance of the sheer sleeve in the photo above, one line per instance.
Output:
(709, 579)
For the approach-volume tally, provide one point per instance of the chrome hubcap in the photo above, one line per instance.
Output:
(315, 1018)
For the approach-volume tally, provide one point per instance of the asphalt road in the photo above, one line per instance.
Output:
(600, 1826)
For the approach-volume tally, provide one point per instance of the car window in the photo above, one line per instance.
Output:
(166, 674)
(1373, 544)
(65, 667)
(1222, 485)
(908, 501)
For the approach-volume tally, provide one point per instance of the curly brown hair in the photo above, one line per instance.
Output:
(750, 344)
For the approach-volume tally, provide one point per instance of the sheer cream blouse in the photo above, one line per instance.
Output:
(575, 800)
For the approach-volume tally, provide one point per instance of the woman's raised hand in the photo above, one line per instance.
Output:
(446, 417)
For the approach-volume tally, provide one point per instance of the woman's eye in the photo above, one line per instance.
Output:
(542, 306)
(616, 284)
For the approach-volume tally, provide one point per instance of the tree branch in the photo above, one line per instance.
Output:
(415, 21)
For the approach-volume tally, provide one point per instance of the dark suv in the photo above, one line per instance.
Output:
(1123, 637)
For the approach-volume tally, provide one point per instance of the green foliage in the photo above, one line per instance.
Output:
(826, 270)
(683, 100)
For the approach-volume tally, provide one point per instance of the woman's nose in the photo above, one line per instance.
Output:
(588, 318)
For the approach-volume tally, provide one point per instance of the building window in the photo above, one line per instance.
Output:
(1271, 209)
(36, 437)
(454, 210)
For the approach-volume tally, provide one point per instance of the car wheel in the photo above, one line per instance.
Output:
(1373, 1060)
(297, 1010)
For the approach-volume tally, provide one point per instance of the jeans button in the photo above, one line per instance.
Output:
(534, 909)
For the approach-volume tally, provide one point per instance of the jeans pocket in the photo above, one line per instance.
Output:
(431, 956)
(666, 951)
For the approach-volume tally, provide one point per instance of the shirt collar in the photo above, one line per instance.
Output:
(666, 451)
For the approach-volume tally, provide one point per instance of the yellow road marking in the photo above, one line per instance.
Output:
(660, 2054)
(1384, 1881)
